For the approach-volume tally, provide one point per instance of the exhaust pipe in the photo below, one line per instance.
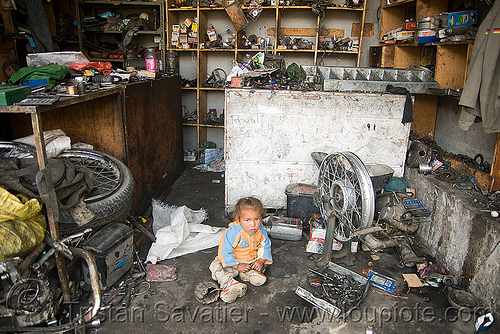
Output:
(94, 281)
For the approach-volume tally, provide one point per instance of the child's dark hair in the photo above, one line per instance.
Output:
(248, 203)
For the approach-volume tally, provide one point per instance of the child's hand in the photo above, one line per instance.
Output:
(257, 264)
(243, 267)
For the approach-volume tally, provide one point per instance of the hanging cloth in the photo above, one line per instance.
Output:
(481, 95)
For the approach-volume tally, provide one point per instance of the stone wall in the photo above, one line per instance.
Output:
(459, 236)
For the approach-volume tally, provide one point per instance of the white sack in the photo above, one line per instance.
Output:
(55, 141)
(179, 231)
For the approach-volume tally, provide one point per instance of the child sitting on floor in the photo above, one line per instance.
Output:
(244, 249)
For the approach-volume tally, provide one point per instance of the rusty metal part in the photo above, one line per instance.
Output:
(408, 256)
(52, 250)
(314, 281)
(139, 262)
(31, 257)
(126, 298)
(94, 281)
(59, 247)
(375, 244)
(391, 210)
(418, 153)
(142, 229)
(8, 272)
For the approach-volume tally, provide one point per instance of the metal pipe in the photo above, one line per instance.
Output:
(94, 281)
(31, 257)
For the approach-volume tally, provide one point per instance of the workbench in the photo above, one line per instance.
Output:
(138, 123)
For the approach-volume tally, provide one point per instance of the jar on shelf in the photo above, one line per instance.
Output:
(150, 58)
(172, 63)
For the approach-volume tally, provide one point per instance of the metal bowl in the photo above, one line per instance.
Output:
(380, 175)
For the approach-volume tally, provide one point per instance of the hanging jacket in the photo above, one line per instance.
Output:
(481, 94)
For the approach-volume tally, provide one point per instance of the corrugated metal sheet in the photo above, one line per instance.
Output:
(372, 80)
(269, 140)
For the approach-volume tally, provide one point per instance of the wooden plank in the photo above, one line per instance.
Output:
(424, 114)
(387, 59)
(382, 56)
(375, 56)
(495, 166)
(153, 130)
(483, 180)
(391, 19)
(95, 122)
(49, 12)
(429, 8)
(405, 56)
(451, 65)
(368, 30)
(307, 32)
(8, 21)
(149, 133)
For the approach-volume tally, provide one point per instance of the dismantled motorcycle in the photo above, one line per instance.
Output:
(350, 199)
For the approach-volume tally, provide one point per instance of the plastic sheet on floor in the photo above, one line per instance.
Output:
(217, 166)
(179, 231)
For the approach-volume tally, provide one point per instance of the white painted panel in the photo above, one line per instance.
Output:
(269, 140)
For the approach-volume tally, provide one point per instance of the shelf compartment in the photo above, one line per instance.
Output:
(139, 32)
(217, 50)
(452, 65)
(400, 3)
(123, 3)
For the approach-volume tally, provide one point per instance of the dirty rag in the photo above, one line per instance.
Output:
(408, 109)
(179, 231)
(53, 74)
(160, 273)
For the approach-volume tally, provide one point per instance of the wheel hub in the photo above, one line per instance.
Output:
(342, 197)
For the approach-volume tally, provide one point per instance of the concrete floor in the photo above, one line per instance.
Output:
(171, 307)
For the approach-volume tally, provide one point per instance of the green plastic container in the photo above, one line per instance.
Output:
(12, 94)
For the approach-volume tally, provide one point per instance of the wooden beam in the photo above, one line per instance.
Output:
(306, 32)
(495, 166)
(424, 114)
(484, 180)
(368, 30)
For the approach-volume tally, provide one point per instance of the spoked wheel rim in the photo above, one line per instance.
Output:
(346, 191)
(16, 150)
(105, 173)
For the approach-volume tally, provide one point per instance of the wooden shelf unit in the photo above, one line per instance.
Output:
(452, 65)
(452, 59)
(277, 20)
(91, 7)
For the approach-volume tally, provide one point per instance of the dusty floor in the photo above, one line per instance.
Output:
(171, 307)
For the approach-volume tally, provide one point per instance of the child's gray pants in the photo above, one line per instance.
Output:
(222, 275)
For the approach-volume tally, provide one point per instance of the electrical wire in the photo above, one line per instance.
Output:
(479, 266)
